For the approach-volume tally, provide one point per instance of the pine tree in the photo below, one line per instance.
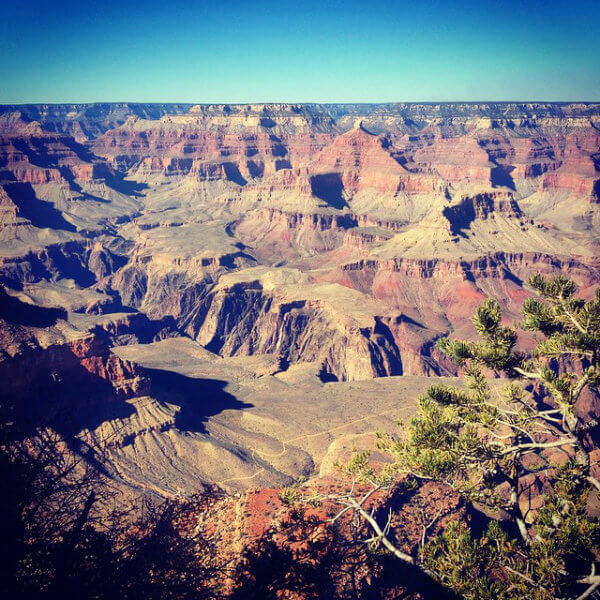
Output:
(476, 438)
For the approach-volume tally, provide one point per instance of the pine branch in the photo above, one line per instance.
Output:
(537, 446)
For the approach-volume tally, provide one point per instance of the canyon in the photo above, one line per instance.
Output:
(238, 295)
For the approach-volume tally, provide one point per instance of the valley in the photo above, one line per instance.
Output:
(238, 295)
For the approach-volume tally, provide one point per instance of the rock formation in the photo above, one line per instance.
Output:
(290, 245)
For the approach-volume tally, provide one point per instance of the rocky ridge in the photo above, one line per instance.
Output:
(333, 241)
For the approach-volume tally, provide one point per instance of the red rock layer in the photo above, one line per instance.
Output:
(85, 366)
(364, 162)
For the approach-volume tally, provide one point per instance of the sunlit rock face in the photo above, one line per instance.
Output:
(274, 249)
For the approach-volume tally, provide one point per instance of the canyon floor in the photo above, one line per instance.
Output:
(238, 295)
(248, 426)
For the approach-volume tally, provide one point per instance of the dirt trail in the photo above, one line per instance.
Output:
(284, 444)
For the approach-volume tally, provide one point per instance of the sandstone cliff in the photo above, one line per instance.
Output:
(338, 242)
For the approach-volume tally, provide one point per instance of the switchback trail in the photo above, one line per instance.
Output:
(284, 444)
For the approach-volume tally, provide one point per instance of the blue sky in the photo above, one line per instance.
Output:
(322, 51)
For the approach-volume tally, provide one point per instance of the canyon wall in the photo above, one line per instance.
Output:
(336, 242)
(421, 210)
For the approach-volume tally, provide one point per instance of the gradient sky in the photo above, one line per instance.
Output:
(322, 51)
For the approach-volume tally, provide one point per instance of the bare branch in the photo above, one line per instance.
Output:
(403, 556)
(589, 591)
(538, 446)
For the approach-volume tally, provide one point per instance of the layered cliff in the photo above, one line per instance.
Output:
(174, 200)
(340, 239)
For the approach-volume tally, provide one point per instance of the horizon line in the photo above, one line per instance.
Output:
(305, 102)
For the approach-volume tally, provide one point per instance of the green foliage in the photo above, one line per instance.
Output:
(564, 529)
(475, 439)
(496, 347)
(447, 438)
(494, 567)
(289, 496)
(460, 563)
(559, 288)
(359, 466)
(538, 317)
(571, 328)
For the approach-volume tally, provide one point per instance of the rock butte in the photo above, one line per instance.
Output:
(238, 294)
